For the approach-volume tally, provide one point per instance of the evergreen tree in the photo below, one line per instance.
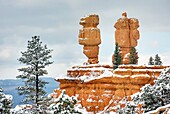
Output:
(5, 103)
(133, 58)
(151, 96)
(117, 57)
(157, 60)
(35, 58)
(64, 105)
(151, 61)
(130, 108)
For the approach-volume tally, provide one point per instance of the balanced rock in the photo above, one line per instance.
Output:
(89, 36)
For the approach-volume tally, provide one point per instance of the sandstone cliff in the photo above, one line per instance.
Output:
(98, 86)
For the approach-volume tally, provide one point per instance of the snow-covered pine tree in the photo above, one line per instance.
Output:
(152, 96)
(35, 58)
(64, 105)
(157, 60)
(117, 57)
(5, 103)
(149, 98)
(130, 108)
(151, 61)
(133, 58)
(162, 87)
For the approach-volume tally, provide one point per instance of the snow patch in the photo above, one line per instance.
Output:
(158, 109)
(141, 75)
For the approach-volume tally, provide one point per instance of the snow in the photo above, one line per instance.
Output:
(65, 104)
(88, 68)
(10, 97)
(64, 76)
(93, 91)
(89, 100)
(134, 20)
(144, 70)
(84, 77)
(101, 100)
(81, 109)
(168, 111)
(5, 102)
(158, 109)
(127, 55)
(120, 76)
(20, 107)
(106, 112)
(83, 38)
(92, 66)
(94, 28)
(94, 74)
(82, 21)
(143, 75)
(108, 91)
(142, 66)
(106, 73)
(121, 70)
(106, 108)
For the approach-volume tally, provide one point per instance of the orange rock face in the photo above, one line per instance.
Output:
(126, 35)
(89, 36)
(98, 86)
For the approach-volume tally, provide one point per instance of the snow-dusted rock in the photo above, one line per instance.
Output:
(94, 83)
(89, 36)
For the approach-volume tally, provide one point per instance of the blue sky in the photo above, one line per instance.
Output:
(57, 23)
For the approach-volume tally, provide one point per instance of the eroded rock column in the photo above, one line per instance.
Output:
(89, 37)
(126, 35)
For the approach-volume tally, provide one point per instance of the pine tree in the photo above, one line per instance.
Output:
(117, 57)
(64, 104)
(130, 108)
(151, 61)
(133, 58)
(35, 58)
(152, 96)
(157, 60)
(5, 103)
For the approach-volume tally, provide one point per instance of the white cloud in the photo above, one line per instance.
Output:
(55, 70)
(5, 53)
(155, 43)
(143, 59)
(8, 53)
(165, 57)
(8, 71)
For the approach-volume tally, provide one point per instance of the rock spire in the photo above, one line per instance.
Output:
(126, 35)
(89, 37)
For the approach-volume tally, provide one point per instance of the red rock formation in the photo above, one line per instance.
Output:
(97, 85)
(126, 35)
(89, 36)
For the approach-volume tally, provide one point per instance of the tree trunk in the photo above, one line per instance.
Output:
(36, 99)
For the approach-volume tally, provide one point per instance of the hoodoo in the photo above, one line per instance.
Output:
(89, 36)
(126, 35)
(99, 87)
